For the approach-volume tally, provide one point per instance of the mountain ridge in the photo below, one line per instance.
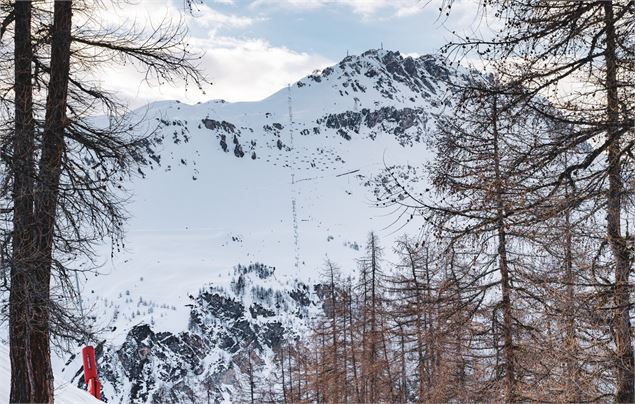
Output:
(288, 181)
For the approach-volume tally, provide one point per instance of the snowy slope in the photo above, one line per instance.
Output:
(204, 210)
(227, 178)
(65, 392)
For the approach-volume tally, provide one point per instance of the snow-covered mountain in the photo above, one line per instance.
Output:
(286, 181)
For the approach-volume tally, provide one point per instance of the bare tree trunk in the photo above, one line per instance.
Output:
(47, 190)
(298, 376)
(508, 346)
(319, 364)
(621, 323)
(284, 383)
(373, 357)
(290, 373)
(364, 354)
(23, 384)
(428, 368)
(388, 371)
(251, 379)
(334, 337)
(571, 344)
(419, 326)
(403, 396)
(352, 333)
(345, 379)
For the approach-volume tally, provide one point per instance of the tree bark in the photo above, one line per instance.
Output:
(508, 346)
(334, 337)
(419, 323)
(353, 347)
(571, 343)
(621, 317)
(373, 357)
(284, 384)
(22, 383)
(46, 195)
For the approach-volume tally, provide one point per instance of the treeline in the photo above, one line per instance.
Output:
(428, 328)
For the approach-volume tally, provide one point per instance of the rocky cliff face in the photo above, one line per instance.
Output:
(231, 333)
(376, 93)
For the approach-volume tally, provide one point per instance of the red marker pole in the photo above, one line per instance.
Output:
(90, 371)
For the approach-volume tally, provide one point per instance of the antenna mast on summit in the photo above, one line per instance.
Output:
(294, 208)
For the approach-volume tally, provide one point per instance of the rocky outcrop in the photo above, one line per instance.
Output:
(386, 120)
(406, 93)
(228, 329)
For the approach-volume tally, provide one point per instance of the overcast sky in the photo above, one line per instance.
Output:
(254, 47)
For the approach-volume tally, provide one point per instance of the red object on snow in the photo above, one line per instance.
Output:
(90, 371)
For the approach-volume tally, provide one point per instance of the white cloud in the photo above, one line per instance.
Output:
(252, 69)
(148, 13)
(205, 16)
(297, 4)
(365, 8)
(406, 11)
(240, 70)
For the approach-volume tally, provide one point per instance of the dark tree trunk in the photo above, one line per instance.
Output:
(621, 321)
(353, 346)
(403, 395)
(345, 366)
(334, 336)
(508, 346)
(420, 323)
(22, 383)
(50, 169)
(374, 340)
(284, 383)
(573, 393)
(290, 373)
(251, 380)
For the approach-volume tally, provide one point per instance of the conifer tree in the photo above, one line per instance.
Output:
(65, 172)
(579, 55)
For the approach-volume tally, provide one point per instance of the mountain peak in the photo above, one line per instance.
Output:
(392, 76)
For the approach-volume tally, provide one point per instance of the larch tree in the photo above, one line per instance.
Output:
(333, 352)
(579, 55)
(376, 380)
(415, 312)
(65, 171)
(482, 176)
(473, 167)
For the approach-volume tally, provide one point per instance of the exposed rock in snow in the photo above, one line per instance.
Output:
(248, 321)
